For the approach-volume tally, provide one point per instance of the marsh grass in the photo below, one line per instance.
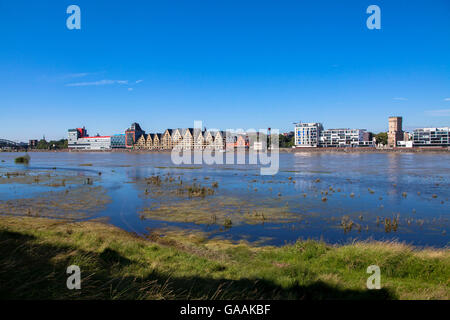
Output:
(35, 252)
(74, 203)
(199, 210)
(43, 178)
(23, 159)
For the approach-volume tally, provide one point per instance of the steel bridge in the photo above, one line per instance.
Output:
(11, 144)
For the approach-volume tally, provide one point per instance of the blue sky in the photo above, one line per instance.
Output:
(231, 64)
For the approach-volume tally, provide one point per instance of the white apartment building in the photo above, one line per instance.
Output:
(307, 134)
(344, 138)
(314, 135)
(428, 137)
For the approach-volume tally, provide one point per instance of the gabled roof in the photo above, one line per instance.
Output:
(198, 133)
(190, 130)
(222, 133)
(180, 130)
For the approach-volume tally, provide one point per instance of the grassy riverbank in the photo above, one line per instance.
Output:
(35, 252)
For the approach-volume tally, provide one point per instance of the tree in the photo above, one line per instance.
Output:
(42, 144)
(382, 138)
(286, 142)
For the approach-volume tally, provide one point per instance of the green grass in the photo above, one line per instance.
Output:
(35, 252)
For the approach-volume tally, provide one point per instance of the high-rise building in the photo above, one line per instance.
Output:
(395, 132)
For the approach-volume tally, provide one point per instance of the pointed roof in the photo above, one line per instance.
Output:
(190, 130)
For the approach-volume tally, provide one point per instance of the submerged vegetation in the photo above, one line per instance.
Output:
(23, 159)
(72, 203)
(178, 265)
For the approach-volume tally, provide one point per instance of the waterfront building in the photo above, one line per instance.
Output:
(78, 139)
(156, 139)
(307, 134)
(429, 137)
(118, 141)
(177, 138)
(395, 132)
(242, 141)
(132, 134)
(314, 135)
(404, 144)
(344, 138)
(188, 138)
(166, 139)
(407, 136)
(209, 139)
(199, 139)
(149, 142)
(230, 141)
(219, 140)
(141, 143)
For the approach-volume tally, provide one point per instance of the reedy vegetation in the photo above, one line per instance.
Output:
(35, 252)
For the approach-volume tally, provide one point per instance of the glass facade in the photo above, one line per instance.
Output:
(118, 141)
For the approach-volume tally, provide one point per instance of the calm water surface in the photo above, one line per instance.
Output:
(413, 187)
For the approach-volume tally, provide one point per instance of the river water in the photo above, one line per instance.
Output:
(367, 188)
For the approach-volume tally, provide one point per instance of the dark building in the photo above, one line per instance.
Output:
(132, 134)
(32, 144)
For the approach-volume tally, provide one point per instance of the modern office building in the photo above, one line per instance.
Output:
(78, 139)
(307, 134)
(395, 132)
(118, 141)
(431, 137)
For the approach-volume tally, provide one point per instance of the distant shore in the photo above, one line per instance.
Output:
(281, 150)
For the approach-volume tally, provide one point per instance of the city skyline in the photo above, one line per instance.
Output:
(228, 64)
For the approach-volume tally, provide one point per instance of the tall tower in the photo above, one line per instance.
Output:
(395, 132)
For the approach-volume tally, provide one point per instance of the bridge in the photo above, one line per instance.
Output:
(11, 144)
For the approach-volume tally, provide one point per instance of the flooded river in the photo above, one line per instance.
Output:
(336, 197)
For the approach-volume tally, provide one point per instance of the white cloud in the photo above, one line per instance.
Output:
(400, 98)
(139, 81)
(447, 99)
(130, 89)
(97, 83)
(77, 75)
(438, 113)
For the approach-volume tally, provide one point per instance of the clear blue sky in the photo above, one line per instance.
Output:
(231, 64)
